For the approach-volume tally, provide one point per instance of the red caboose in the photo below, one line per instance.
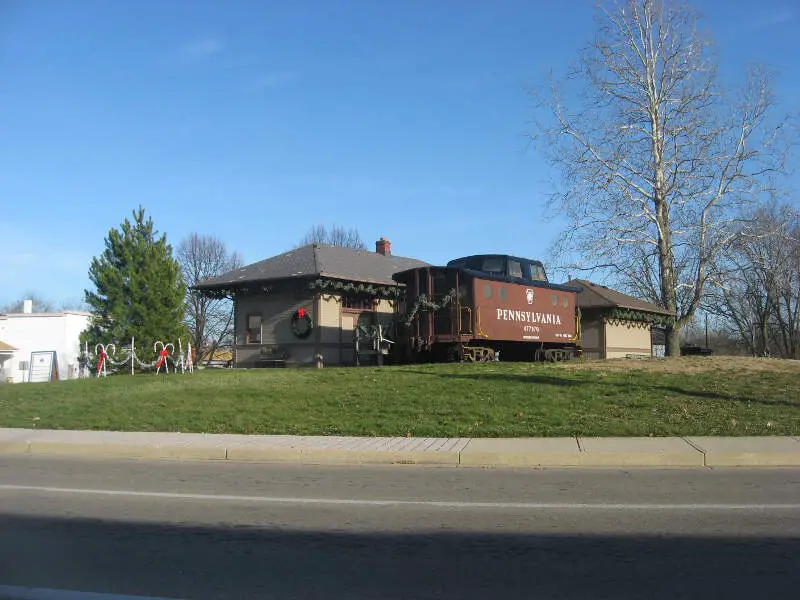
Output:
(480, 306)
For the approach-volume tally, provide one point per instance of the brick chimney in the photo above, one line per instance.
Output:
(383, 246)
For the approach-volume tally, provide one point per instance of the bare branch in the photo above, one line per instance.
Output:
(208, 319)
(335, 236)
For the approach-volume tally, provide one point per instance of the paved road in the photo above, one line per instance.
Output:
(205, 530)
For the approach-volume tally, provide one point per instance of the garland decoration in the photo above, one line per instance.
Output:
(423, 303)
(354, 289)
(619, 315)
(302, 332)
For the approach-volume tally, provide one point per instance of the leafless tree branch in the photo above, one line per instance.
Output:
(208, 319)
(335, 236)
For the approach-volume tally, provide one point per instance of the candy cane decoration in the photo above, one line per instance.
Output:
(103, 354)
(85, 372)
(162, 355)
(189, 361)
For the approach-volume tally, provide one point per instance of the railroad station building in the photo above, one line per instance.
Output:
(615, 325)
(304, 305)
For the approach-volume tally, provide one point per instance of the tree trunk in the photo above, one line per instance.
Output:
(669, 298)
(666, 262)
(673, 335)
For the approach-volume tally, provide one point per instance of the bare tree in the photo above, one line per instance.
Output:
(656, 159)
(756, 283)
(209, 319)
(335, 236)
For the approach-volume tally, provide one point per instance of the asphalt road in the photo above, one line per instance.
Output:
(206, 530)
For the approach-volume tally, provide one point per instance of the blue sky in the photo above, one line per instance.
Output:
(255, 120)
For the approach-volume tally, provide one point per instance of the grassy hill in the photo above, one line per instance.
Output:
(686, 396)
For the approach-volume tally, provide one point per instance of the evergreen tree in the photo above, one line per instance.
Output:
(139, 289)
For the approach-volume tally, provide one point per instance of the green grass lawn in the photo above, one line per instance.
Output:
(688, 396)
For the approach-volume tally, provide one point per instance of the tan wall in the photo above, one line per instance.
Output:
(385, 306)
(331, 329)
(627, 338)
(385, 311)
(329, 319)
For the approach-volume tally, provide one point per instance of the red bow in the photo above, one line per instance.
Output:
(162, 357)
(301, 312)
(102, 360)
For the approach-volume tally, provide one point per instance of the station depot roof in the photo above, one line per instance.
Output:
(318, 260)
(593, 295)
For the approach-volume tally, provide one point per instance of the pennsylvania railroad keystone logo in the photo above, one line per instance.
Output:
(529, 295)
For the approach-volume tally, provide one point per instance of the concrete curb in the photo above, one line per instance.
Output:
(453, 452)
(639, 452)
(521, 452)
(748, 452)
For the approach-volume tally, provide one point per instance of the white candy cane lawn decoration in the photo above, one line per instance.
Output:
(180, 354)
(163, 354)
(186, 359)
(85, 371)
(102, 351)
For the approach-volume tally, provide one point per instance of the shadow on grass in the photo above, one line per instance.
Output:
(719, 396)
(216, 562)
(535, 379)
(565, 382)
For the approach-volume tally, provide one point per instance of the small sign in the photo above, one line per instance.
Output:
(43, 367)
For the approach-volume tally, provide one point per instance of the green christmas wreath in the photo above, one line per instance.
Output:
(302, 331)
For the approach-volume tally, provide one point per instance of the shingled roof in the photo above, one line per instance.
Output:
(318, 260)
(593, 295)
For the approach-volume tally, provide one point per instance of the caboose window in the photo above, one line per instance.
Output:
(493, 265)
(537, 273)
(514, 268)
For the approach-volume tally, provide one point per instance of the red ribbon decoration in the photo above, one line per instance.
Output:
(301, 312)
(101, 361)
(162, 357)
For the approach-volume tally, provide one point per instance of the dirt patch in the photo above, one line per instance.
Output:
(688, 364)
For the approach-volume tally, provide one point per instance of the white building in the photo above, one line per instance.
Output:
(22, 334)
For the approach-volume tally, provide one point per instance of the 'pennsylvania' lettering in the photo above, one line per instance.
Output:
(524, 316)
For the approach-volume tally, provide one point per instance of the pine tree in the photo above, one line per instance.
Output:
(139, 289)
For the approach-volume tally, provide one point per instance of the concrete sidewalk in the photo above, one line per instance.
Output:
(480, 452)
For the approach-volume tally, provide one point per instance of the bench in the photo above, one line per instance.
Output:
(272, 356)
